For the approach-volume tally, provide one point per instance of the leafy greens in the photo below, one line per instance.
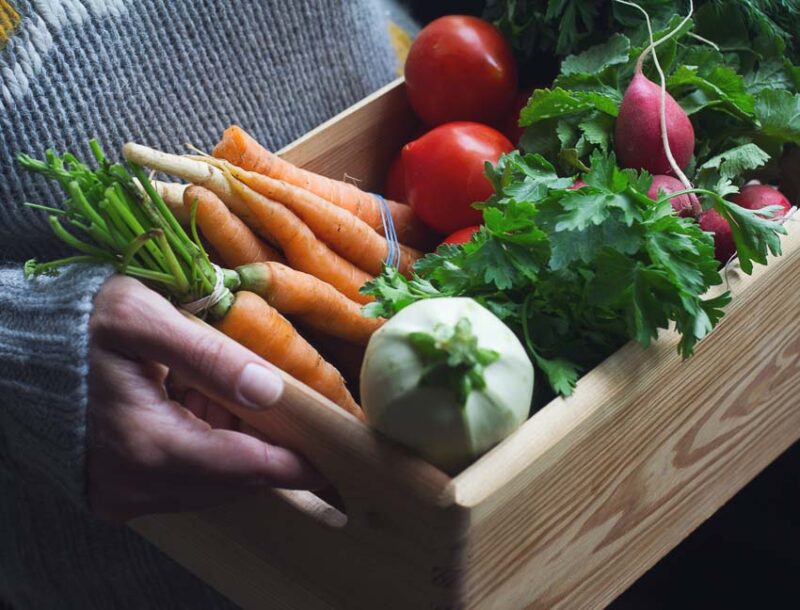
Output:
(576, 273)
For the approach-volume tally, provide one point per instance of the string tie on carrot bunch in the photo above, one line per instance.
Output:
(389, 232)
(204, 304)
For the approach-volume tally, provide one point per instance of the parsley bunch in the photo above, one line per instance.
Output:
(577, 273)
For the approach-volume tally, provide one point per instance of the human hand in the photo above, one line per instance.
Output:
(148, 453)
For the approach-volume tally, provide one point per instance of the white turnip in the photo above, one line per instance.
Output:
(447, 378)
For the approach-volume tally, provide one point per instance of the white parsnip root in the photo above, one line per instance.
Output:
(191, 170)
(172, 194)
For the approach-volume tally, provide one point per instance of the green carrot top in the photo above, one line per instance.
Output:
(111, 219)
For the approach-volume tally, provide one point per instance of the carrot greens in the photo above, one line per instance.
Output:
(113, 215)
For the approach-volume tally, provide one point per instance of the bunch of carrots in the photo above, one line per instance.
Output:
(296, 247)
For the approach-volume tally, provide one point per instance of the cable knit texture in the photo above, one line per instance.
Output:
(162, 73)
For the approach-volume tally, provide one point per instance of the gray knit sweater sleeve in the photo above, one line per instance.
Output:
(43, 371)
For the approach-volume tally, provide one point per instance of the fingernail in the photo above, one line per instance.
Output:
(259, 387)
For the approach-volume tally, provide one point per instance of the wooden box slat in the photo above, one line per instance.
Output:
(648, 448)
(567, 512)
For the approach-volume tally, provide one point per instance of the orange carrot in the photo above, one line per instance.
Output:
(230, 237)
(347, 357)
(242, 150)
(344, 233)
(268, 218)
(301, 247)
(260, 328)
(308, 299)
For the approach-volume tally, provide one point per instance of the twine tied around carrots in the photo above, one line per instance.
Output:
(389, 232)
(203, 304)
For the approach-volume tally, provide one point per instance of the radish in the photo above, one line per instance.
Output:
(578, 184)
(637, 135)
(684, 205)
(652, 131)
(757, 196)
(724, 246)
(752, 197)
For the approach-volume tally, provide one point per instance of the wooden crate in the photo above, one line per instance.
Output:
(566, 513)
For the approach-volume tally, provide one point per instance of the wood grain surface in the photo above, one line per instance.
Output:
(358, 145)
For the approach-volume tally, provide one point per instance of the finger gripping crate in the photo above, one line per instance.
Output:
(566, 513)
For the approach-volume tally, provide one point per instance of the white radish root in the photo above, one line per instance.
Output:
(191, 170)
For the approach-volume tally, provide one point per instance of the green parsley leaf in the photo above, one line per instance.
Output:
(736, 161)
(724, 89)
(548, 104)
(598, 129)
(778, 111)
(395, 292)
(754, 234)
(598, 58)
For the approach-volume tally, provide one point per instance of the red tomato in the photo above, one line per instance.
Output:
(444, 173)
(460, 69)
(511, 127)
(396, 180)
(462, 236)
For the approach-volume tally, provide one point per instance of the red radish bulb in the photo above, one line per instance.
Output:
(684, 205)
(724, 247)
(757, 196)
(578, 184)
(637, 133)
(461, 236)
(752, 197)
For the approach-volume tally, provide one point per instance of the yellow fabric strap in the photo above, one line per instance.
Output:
(9, 18)
(401, 41)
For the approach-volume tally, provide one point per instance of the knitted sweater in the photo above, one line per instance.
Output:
(161, 73)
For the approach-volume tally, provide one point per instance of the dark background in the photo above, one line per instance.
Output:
(746, 555)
